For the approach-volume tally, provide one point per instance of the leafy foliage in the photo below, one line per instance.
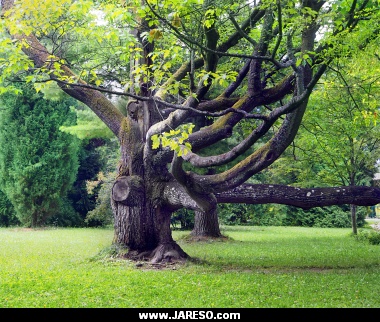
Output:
(174, 139)
(344, 147)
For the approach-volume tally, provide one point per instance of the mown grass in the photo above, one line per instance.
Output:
(258, 267)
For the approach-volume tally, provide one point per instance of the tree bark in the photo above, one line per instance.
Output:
(206, 225)
(141, 226)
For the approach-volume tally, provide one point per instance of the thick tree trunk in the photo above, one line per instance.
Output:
(133, 220)
(167, 250)
(140, 225)
(205, 225)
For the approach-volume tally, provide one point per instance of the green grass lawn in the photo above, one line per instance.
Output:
(258, 267)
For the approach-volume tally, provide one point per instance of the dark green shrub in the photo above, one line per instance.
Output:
(66, 216)
(283, 215)
(374, 238)
(234, 214)
(324, 217)
(254, 215)
(90, 163)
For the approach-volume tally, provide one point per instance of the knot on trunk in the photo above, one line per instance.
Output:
(128, 190)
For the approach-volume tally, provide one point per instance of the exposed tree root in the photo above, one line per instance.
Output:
(168, 253)
(163, 253)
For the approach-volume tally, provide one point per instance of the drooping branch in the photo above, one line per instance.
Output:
(220, 106)
(305, 198)
(214, 108)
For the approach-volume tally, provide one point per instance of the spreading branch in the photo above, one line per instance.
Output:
(305, 198)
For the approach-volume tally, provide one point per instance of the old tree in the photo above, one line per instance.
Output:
(193, 71)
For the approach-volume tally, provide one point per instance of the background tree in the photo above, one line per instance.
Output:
(38, 163)
(344, 148)
(180, 51)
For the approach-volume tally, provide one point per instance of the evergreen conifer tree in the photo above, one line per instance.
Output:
(38, 162)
